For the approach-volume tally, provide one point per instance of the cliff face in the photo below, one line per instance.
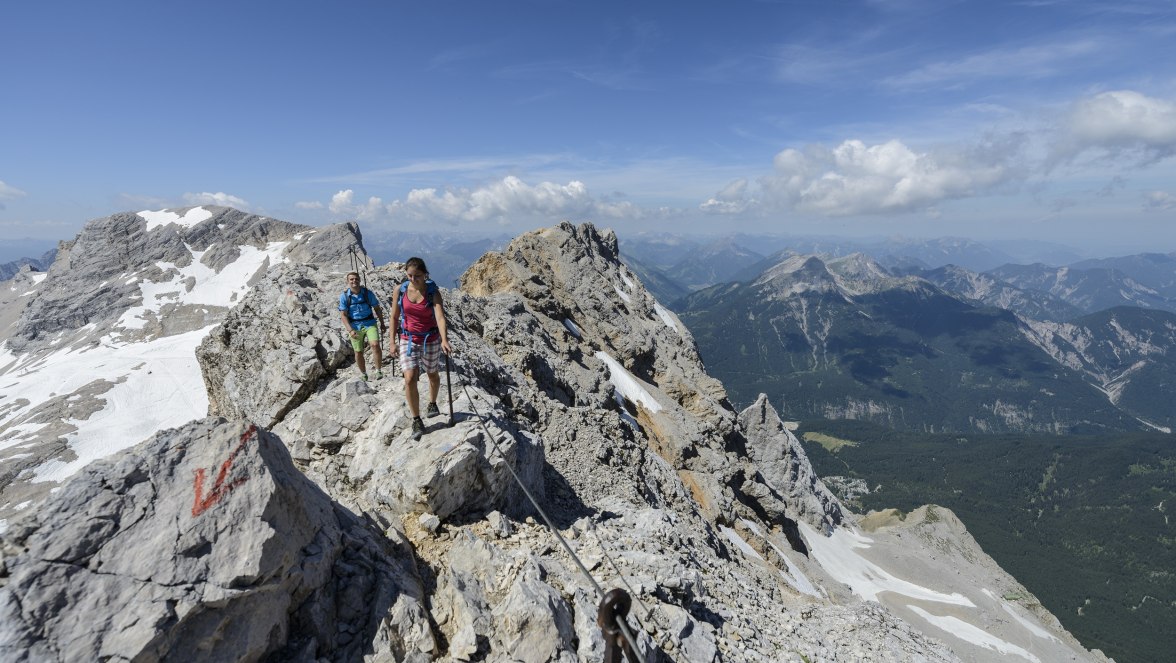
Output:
(329, 534)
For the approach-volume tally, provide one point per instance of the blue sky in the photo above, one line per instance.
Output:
(1043, 119)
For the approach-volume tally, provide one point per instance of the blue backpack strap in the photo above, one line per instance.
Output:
(400, 299)
(430, 288)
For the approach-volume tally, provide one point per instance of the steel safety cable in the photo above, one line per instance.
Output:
(624, 627)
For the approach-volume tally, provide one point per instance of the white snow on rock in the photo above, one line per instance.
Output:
(571, 327)
(795, 577)
(159, 386)
(1020, 619)
(146, 385)
(627, 384)
(625, 279)
(668, 318)
(974, 634)
(211, 287)
(739, 543)
(624, 295)
(160, 218)
(838, 555)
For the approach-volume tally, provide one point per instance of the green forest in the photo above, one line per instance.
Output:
(1084, 522)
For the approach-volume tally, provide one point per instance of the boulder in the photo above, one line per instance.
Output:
(204, 543)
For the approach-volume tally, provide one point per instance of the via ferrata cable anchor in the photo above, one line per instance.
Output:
(614, 607)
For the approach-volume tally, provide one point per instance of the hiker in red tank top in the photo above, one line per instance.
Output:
(419, 315)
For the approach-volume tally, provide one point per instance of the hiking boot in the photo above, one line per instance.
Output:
(379, 375)
(432, 411)
(418, 428)
(363, 376)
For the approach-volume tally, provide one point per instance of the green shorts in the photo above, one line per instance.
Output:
(369, 334)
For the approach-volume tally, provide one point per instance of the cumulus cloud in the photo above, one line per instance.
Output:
(8, 192)
(1120, 124)
(1159, 201)
(855, 178)
(343, 204)
(504, 201)
(219, 198)
(731, 200)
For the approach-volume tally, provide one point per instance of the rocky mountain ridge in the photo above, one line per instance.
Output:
(1093, 288)
(97, 352)
(948, 350)
(207, 542)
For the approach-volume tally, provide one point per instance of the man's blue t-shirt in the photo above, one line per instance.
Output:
(359, 307)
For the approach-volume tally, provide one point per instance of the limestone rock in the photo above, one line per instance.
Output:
(785, 467)
(270, 352)
(204, 543)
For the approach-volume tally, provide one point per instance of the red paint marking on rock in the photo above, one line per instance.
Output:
(219, 489)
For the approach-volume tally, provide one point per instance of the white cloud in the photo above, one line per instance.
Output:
(1160, 200)
(219, 198)
(507, 200)
(731, 200)
(342, 204)
(311, 204)
(854, 178)
(8, 192)
(1036, 61)
(1122, 123)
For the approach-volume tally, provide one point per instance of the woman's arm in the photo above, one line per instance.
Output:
(394, 313)
(442, 326)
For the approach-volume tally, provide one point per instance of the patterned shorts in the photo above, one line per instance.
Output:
(427, 356)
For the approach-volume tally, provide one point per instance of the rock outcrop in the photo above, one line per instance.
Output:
(97, 352)
(204, 544)
(588, 449)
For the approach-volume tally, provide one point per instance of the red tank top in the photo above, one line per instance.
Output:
(419, 317)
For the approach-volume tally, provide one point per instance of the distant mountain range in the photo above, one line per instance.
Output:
(446, 256)
(674, 261)
(16, 250)
(40, 264)
(942, 350)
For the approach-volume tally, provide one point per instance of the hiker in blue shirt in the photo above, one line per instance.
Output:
(420, 325)
(361, 313)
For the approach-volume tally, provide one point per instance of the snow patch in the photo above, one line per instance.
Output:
(624, 295)
(627, 384)
(838, 555)
(163, 388)
(211, 287)
(571, 327)
(160, 218)
(973, 634)
(1029, 625)
(795, 577)
(668, 318)
(626, 281)
(739, 543)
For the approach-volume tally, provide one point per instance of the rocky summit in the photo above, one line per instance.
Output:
(587, 450)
